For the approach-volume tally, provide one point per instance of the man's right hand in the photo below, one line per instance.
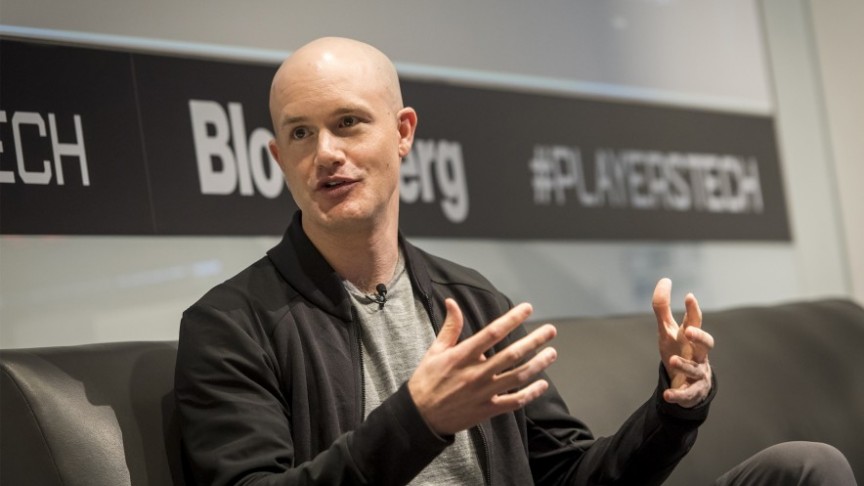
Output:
(455, 387)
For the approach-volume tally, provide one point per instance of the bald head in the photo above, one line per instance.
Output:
(340, 135)
(328, 61)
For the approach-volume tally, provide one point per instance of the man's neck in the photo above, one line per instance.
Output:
(364, 257)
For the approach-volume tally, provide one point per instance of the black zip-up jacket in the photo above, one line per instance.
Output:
(269, 388)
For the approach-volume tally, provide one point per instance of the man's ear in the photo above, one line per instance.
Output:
(407, 120)
(274, 151)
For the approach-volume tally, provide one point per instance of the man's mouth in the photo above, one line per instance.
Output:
(336, 183)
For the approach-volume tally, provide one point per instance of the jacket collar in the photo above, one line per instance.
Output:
(306, 270)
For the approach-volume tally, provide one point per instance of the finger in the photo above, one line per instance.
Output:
(660, 303)
(452, 328)
(685, 396)
(702, 343)
(523, 374)
(518, 399)
(688, 395)
(495, 331)
(693, 314)
(517, 352)
(690, 369)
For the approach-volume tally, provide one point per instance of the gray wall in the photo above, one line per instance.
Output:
(737, 56)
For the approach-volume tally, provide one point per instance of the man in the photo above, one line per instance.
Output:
(348, 356)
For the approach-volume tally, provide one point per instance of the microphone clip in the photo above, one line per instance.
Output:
(381, 295)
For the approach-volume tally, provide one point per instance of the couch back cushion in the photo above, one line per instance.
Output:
(103, 414)
(787, 372)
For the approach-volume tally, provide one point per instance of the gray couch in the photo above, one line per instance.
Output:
(102, 414)
(788, 372)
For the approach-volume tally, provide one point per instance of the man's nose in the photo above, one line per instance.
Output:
(329, 149)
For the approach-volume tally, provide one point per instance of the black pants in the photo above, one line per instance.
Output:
(792, 463)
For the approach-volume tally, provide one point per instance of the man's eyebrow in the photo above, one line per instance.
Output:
(353, 109)
(292, 120)
(345, 110)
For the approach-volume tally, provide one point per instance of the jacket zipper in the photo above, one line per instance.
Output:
(481, 445)
(361, 379)
(482, 449)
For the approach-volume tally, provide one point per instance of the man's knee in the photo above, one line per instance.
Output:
(827, 455)
(797, 463)
(811, 462)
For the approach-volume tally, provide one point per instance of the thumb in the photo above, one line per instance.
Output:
(660, 302)
(452, 328)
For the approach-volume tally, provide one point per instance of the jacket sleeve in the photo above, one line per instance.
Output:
(643, 451)
(235, 418)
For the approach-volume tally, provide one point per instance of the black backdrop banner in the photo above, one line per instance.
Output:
(105, 142)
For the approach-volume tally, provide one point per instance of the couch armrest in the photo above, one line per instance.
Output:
(98, 414)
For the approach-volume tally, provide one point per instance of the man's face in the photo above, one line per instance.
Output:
(339, 140)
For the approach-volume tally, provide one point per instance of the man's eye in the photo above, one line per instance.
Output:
(299, 133)
(348, 121)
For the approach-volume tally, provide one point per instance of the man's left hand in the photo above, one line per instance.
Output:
(683, 349)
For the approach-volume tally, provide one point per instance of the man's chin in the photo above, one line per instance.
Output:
(350, 215)
(338, 219)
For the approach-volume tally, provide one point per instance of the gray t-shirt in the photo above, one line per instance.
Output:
(393, 341)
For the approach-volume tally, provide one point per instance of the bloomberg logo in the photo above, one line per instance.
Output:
(231, 160)
(221, 168)
(433, 171)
